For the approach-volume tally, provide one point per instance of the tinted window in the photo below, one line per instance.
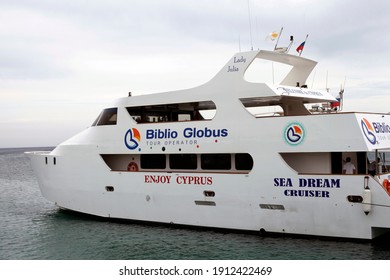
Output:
(244, 162)
(183, 161)
(216, 161)
(107, 117)
(153, 161)
(173, 112)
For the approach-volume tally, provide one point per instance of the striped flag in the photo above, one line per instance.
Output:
(301, 46)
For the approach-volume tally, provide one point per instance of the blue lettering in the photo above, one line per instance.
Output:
(192, 132)
(306, 193)
(160, 134)
(335, 183)
(283, 182)
(149, 134)
(189, 132)
(224, 132)
(319, 183)
(381, 128)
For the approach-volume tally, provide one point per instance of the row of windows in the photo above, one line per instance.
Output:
(240, 161)
(173, 112)
(177, 112)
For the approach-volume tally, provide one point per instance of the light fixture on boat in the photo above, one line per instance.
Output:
(355, 198)
(109, 188)
(209, 193)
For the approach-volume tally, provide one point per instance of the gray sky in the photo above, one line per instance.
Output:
(61, 62)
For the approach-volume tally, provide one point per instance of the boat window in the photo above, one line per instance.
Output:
(173, 112)
(106, 117)
(310, 163)
(216, 161)
(243, 162)
(153, 161)
(263, 107)
(223, 163)
(183, 161)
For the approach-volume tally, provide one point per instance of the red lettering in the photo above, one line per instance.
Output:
(197, 181)
(194, 180)
(157, 179)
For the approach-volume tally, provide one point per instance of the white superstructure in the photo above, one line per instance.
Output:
(205, 157)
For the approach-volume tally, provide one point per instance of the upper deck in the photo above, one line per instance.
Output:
(229, 84)
(228, 101)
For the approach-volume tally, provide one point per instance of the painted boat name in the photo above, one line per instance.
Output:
(305, 183)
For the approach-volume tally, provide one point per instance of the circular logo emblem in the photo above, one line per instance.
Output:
(368, 131)
(132, 138)
(294, 134)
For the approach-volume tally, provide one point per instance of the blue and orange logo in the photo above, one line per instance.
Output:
(132, 138)
(294, 134)
(368, 131)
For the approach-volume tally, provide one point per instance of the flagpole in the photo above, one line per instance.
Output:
(277, 41)
(305, 44)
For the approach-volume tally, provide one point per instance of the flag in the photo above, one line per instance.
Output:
(272, 36)
(335, 104)
(300, 47)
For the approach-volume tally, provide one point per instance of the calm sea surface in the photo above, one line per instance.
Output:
(32, 228)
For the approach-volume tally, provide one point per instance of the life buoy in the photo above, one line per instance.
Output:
(132, 167)
(386, 185)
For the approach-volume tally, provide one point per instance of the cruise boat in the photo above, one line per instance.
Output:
(206, 157)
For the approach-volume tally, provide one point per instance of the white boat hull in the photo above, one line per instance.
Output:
(293, 183)
(241, 201)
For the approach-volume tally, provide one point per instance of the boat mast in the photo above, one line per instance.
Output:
(250, 25)
(277, 41)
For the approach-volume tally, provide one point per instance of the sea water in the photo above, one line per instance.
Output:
(32, 228)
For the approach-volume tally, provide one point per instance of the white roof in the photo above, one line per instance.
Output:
(229, 82)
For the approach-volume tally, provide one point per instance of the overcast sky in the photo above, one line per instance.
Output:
(61, 62)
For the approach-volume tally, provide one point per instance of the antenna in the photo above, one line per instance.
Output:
(256, 27)
(341, 94)
(326, 82)
(250, 25)
(345, 79)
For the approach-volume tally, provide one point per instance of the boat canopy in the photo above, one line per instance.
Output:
(292, 87)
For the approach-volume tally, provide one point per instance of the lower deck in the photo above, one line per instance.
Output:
(302, 163)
